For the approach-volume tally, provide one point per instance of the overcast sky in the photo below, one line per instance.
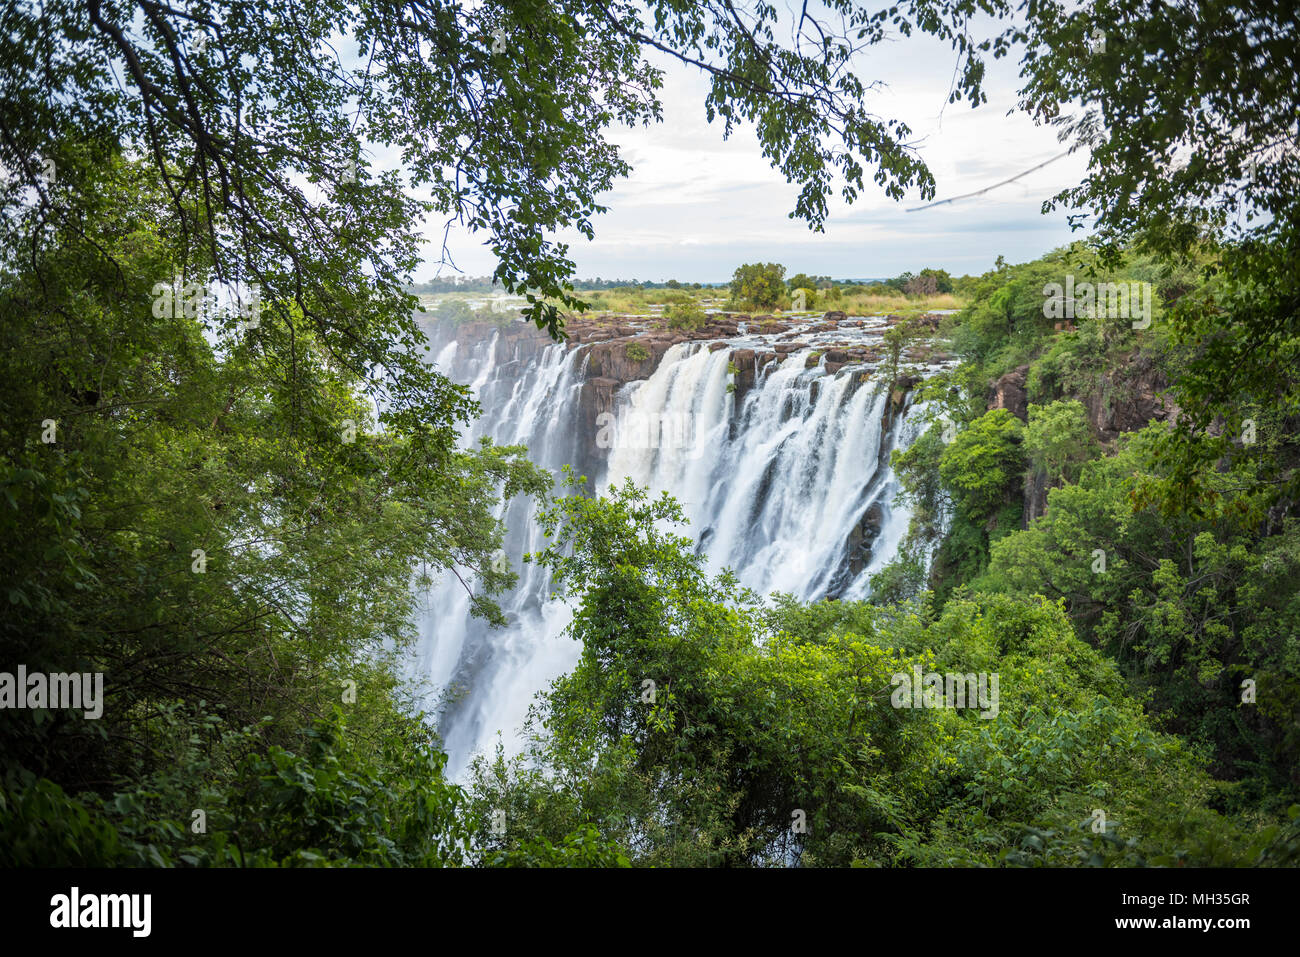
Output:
(696, 205)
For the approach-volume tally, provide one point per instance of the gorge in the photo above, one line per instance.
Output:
(774, 435)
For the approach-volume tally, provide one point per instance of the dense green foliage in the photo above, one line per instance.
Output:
(704, 728)
(927, 282)
(1057, 439)
(214, 518)
(804, 281)
(1197, 606)
(684, 315)
(1191, 608)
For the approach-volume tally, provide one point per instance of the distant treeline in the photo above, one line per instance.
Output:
(486, 284)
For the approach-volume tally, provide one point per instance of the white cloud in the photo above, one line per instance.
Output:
(696, 205)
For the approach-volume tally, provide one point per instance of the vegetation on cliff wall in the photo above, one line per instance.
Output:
(1198, 606)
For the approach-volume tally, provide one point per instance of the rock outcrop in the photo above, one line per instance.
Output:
(863, 535)
(1009, 393)
(610, 358)
(1129, 398)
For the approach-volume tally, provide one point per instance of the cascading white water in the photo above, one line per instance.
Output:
(791, 488)
(775, 497)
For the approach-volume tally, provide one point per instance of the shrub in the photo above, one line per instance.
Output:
(454, 309)
(983, 464)
(1057, 439)
(809, 298)
(686, 315)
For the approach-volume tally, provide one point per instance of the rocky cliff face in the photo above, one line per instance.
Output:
(1129, 398)
(1124, 399)
(518, 341)
(1009, 393)
(1036, 490)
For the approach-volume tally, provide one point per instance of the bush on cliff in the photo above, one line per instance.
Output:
(685, 315)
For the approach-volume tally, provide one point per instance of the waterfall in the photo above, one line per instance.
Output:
(789, 486)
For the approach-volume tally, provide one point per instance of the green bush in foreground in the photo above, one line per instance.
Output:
(701, 729)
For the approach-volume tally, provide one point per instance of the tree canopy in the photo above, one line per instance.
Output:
(762, 284)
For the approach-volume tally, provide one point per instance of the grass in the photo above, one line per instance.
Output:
(635, 301)
(872, 305)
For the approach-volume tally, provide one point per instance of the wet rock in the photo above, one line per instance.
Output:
(1035, 496)
(745, 375)
(862, 537)
(597, 397)
(906, 383)
(609, 359)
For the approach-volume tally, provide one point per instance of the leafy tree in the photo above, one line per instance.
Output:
(1128, 104)
(917, 469)
(761, 284)
(803, 298)
(983, 463)
(899, 581)
(1191, 607)
(805, 281)
(899, 283)
(212, 529)
(500, 112)
(928, 282)
(335, 803)
(1058, 440)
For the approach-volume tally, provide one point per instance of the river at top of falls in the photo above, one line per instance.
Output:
(791, 488)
